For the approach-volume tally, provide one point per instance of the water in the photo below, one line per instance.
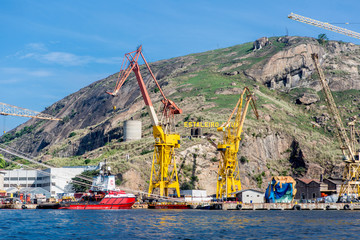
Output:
(178, 224)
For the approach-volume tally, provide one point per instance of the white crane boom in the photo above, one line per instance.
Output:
(324, 25)
(7, 109)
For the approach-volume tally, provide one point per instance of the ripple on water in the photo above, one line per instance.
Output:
(177, 224)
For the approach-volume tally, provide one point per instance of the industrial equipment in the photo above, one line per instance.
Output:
(10, 110)
(281, 189)
(324, 25)
(163, 170)
(351, 174)
(229, 175)
(7, 109)
(351, 184)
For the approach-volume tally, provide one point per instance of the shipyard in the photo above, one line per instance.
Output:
(179, 120)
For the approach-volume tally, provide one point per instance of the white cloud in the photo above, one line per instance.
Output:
(40, 73)
(64, 58)
(36, 46)
(39, 52)
(9, 81)
(25, 72)
(112, 60)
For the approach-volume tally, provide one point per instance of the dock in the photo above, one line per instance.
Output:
(17, 206)
(287, 206)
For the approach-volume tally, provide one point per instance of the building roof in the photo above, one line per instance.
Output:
(245, 190)
(11, 190)
(337, 181)
(307, 181)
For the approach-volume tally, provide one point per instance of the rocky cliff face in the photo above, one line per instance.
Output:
(206, 86)
(293, 67)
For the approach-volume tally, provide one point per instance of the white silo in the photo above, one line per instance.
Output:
(132, 130)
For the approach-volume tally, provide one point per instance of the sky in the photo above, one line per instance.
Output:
(50, 49)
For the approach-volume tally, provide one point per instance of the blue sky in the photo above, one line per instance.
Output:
(50, 49)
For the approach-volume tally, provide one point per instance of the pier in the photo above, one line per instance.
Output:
(288, 206)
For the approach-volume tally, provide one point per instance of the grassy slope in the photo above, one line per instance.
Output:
(205, 105)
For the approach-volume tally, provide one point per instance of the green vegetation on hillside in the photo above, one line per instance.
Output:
(207, 86)
(84, 185)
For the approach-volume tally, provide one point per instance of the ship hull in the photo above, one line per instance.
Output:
(168, 206)
(125, 203)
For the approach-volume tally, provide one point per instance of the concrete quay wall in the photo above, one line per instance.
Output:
(290, 206)
(18, 206)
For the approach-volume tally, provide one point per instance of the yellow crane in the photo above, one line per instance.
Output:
(351, 173)
(351, 184)
(10, 110)
(163, 169)
(324, 25)
(229, 173)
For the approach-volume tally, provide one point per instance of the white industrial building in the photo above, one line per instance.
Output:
(250, 196)
(195, 195)
(54, 180)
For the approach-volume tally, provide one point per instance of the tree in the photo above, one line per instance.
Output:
(322, 38)
(3, 163)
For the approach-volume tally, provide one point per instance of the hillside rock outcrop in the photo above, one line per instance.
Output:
(307, 99)
(260, 43)
(204, 84)
(293, 66)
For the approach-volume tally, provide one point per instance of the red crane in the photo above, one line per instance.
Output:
(163, 171)
(131, 61)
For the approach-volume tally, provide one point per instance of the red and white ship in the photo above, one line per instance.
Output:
(102, 195)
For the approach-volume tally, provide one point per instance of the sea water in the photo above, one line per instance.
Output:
(178, 224)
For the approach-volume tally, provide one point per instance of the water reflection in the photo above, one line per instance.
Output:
(178, 224)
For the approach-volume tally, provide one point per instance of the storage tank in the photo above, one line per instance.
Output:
(132, 130)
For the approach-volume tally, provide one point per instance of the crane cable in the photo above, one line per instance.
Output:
(22, 155)
(86, 184)
(81, 177)
(43, 172)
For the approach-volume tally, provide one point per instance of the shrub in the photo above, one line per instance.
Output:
(65, 119)
(258, 179)
(300, 170)
(243, 159)
(322, 38)
(80, 187)
(72, 134)
(187, 118)
(118, 182)
(144, 114)
(144, 151)
(186, 186)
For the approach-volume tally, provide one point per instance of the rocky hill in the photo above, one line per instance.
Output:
(294, 135)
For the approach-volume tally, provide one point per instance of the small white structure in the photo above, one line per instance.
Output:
(195, 195)
(250, 196)
(132, 130)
